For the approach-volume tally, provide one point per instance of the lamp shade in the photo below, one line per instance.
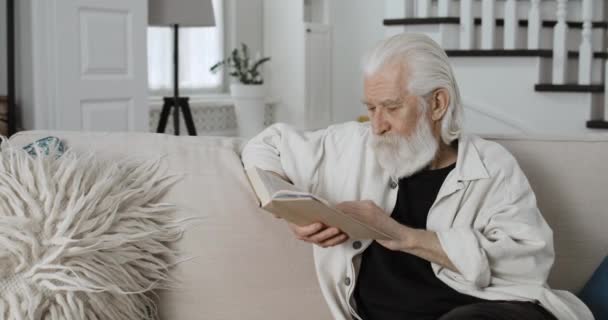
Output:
(187, 13)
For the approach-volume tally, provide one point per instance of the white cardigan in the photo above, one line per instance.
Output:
(485, 214)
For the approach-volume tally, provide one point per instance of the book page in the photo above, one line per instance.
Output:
(274, 183)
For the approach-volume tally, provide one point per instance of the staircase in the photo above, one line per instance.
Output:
(533, 67)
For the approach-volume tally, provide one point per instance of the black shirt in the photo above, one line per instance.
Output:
(395, 285)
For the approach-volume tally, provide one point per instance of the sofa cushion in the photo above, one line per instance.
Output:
(45, 145)
(569, 177)
(81, 237)
(238, 261)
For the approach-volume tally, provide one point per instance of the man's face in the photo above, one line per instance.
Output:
(390, 108)
(402, 139)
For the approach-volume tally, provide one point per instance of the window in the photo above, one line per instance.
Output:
(199, 49)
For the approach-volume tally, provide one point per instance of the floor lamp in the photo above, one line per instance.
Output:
(176, 13)
(10, 72)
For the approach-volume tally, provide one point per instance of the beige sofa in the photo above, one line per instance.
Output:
(245, 264)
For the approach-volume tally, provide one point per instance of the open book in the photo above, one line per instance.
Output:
(302, 208)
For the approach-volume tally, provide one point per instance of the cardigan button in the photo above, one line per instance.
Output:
(347, 281)
(357, 245)
(392, 184)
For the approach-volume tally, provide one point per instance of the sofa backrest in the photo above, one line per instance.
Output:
(570, 179)
(245, 264)
(241, 263)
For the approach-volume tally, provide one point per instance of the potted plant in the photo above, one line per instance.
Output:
(249, 92)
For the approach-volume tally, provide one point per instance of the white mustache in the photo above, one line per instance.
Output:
(402, 156)
(389, 140)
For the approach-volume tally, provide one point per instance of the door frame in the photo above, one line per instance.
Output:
(44, 64)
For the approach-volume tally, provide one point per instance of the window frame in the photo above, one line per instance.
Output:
(218, 90)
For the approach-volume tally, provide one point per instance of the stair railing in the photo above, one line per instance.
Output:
(534, 25)
(488, 24)
(467, 25)
(560, 48)
(585, 61)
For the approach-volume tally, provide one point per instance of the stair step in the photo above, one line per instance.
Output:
(499, 22)
(418, 21)
(547, 87)
(543, 53)
(597, 124)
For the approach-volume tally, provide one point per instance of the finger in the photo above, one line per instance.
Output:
(324, 235)
(307, 231)
(340, 238)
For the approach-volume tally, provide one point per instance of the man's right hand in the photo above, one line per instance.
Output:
(319, 234)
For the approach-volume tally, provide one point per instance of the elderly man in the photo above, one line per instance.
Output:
(469, 240)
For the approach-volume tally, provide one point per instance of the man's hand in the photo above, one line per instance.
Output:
(419, 242)
(319, 234)
(371, 214)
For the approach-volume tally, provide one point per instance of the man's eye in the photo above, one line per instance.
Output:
(371, 109)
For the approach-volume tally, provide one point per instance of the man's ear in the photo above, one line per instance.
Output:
(439, 104)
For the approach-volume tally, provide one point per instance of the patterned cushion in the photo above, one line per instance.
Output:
(46, 145)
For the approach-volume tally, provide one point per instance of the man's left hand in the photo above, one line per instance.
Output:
(369, 213)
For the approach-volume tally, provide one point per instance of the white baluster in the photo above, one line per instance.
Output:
(534, 24)
(606, 92)
(423, 8)
(586, 48)
(397, 9)
(444, 8)
(511, 24)
(488, 24)
(467, 25)
(560, 49)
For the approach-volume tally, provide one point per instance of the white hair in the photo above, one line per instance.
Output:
(429, 69)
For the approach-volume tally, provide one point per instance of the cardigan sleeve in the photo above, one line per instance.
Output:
(292, 153)
(513, 244)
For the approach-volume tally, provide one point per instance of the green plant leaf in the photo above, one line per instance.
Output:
(259, 63)
(216, 66)
(245, 56)
(238, 63)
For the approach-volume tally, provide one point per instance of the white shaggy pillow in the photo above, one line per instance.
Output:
(82, 238)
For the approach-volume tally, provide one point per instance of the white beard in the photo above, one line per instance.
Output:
(404, 156)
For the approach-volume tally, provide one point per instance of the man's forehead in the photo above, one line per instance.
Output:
(383, 101)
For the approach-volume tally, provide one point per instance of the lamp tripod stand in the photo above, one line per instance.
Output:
(10, 72)
(176, 102)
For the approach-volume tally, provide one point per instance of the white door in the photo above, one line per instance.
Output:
(318, 76)
(101, 64)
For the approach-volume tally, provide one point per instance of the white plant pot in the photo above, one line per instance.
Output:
(249, 106)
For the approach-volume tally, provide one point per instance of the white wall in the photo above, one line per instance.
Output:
(3, 89)
(284, 43)
(246, 24)
(357, 26)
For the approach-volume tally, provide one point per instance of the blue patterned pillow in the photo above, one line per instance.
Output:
(46, 145)
(595, 292)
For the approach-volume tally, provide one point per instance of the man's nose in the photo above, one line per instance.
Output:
(380, 125)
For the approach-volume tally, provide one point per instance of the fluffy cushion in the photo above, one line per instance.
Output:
(82, 238)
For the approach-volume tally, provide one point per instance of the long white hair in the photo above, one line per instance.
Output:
(430, 70)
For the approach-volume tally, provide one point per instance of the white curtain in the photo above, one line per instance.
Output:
(199, 49)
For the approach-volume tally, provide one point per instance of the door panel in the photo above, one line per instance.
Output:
(102, 80)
